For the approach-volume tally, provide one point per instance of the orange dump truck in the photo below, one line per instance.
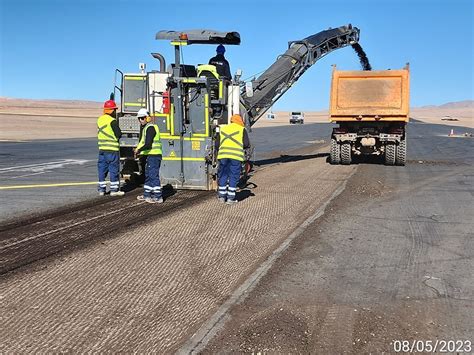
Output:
(371, 110)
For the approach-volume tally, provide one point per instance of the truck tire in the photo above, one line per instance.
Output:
(401, 156)
(346, 154)
(390, 150)
(335, 154)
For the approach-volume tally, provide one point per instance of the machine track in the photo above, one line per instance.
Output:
(23, 242)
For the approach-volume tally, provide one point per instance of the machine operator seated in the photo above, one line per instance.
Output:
(222, 65)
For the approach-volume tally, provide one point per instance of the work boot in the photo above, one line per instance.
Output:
(231, 202)
(101, 193)
(117, 193)
(150, 200)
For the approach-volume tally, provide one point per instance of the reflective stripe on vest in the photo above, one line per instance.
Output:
(105, 134)
(232, 142)
(156, 145)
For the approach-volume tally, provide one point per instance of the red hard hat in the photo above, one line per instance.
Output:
(110, 104)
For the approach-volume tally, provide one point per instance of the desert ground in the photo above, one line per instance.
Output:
(55, 119)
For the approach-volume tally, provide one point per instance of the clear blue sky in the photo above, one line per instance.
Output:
(59, 49)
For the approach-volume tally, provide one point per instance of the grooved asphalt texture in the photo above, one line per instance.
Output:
(149, 288)
(26, 241)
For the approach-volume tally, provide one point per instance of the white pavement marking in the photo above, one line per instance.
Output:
(41, 167)
(26, 175)
(209, 329)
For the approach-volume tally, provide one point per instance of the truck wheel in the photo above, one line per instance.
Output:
(346, 154)
(401, 156)
(335, 154)
(390, 154)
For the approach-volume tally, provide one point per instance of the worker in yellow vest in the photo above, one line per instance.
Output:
(232, 141)
(108, 136)
(149, 145)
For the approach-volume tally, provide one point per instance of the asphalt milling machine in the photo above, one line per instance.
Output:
(188, 103)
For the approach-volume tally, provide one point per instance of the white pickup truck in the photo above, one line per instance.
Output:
(296, 117)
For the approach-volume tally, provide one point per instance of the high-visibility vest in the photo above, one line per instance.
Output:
(156, 145)
(231, 142)
(105, 134)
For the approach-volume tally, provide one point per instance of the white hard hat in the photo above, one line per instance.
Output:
(142, 113)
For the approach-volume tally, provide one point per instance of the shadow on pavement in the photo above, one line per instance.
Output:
(289, 158)
(365, 159)
(243, 194)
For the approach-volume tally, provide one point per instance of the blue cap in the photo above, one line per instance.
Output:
(220, 49)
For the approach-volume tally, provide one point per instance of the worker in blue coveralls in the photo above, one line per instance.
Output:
(232, 141)
(149, 145)
(108, 135)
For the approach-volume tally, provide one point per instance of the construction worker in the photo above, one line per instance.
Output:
(221, 64)
(232, 141)
(149, 145)
(108, 136)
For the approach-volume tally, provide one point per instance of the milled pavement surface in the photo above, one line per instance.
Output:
(151, 286)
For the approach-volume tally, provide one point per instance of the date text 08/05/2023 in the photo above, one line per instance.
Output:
(441, 346)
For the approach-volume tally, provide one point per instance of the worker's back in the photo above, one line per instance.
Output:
(222, 66)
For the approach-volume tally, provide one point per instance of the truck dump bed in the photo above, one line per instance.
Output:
(379, 95)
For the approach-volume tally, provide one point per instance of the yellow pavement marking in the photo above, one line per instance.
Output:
(46, 185)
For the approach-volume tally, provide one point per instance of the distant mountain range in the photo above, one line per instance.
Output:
(453, 105)
(17, 102)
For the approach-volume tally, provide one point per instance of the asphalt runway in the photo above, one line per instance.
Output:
(70, 166)
(36, 163)
(125, 276)
(390, 258)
